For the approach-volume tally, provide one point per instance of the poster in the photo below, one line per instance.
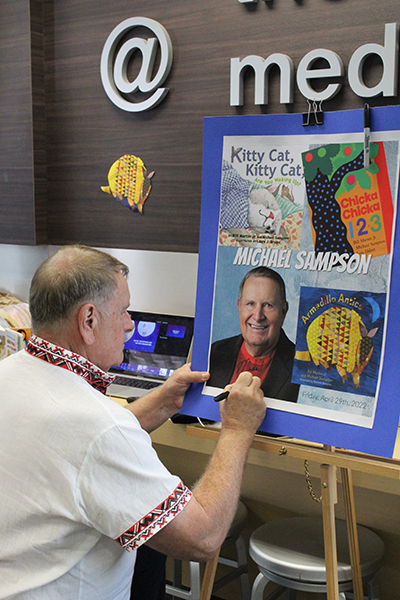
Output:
(300, 201)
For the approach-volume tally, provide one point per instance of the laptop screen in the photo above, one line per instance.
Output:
(159, 344)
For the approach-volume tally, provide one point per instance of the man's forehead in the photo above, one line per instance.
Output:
(121, 294)
(266, 283)
(123, 288)
(268, 286)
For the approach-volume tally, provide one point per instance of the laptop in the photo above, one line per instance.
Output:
(158, 345)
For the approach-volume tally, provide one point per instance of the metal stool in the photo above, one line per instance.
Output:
(240, 565)
(290, 552)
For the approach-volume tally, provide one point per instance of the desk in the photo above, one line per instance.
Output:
(175, 436)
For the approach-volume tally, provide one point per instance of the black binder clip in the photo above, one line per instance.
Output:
(315, 115)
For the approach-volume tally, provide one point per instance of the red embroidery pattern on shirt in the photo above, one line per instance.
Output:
(144, 529)
(70, 361)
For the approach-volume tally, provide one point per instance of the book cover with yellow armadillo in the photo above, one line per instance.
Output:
(339, 339)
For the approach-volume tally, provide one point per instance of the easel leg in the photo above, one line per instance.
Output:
(349, 505)
(208, 578)
(329, 499)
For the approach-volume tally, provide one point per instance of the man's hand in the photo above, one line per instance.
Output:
(245, 407)
(153, 409)
(176, 386)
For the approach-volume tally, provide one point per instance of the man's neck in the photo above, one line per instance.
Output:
(68, 340)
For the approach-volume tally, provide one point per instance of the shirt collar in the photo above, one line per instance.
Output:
(71, 361)
(255, 359)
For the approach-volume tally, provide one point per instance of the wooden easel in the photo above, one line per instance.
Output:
(329, 459)
(329, 499)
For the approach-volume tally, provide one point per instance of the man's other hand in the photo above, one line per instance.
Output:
(176, 386)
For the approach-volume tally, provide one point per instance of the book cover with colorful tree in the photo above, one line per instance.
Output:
(351, 207)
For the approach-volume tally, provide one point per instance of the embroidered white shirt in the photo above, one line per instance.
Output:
(79, 481)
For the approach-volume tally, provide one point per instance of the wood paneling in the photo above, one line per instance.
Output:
(16, 172)
(87, 132)
(39, 119)
(22, 197)
(78, 133)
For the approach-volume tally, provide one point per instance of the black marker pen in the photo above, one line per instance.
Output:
(222, 396)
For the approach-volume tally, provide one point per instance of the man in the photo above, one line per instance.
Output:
(262, 348)
(80, 483)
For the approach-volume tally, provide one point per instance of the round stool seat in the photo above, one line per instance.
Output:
(293, 548)
(238, 523)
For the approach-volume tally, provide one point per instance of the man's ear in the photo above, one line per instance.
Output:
(88, 319)
(285, 309)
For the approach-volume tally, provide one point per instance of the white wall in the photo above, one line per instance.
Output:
(158, 281)
(17, 265)
(161, 281)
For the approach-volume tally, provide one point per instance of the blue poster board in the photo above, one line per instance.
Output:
(276, 152)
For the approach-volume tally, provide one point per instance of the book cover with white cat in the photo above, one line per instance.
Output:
(262, 193)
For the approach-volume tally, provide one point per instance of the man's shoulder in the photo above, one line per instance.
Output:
(13, 361)
(77, 401)
(285, 346)
(227, 342)
(226, 346)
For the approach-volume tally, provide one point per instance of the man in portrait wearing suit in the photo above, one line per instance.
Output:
(262, 346)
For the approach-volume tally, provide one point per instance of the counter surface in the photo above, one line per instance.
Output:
(368, 472)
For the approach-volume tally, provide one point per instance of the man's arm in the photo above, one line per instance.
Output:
(153, 409)
(199, 530)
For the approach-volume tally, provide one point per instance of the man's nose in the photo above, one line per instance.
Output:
(259, 313)
(129, 325)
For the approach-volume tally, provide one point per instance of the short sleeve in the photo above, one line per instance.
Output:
(124, 491)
